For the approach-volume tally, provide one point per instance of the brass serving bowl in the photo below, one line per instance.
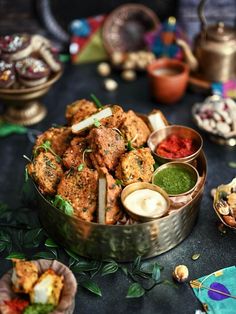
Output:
(183, 165)
(22, 104)
(123, 242)
(159, 135)
(139, 186)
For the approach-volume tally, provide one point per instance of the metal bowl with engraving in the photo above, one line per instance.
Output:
(125, 27)
(124, 242)
(22, 104)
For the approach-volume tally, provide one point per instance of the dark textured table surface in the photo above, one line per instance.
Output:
(216, 251)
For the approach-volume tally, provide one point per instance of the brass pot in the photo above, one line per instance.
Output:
(123, 242)
(22, 104)
(214, 52)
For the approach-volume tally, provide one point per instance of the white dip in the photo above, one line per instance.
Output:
(146, 202)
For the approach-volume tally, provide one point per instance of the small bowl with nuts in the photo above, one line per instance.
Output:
(225, 203)
(216, 116)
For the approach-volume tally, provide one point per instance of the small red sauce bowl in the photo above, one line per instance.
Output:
(168, 79)
(158, 136)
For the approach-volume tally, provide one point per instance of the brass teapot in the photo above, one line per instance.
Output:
(214, 55)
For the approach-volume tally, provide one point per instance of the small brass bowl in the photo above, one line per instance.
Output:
(140, 186)
(22, 104)
(158, 136)
(192, 170)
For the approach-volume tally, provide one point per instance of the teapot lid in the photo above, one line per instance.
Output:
(220, 32)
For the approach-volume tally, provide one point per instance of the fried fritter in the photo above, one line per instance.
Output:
(134, 129)
(46, 172)
(80, 188)
(79, 110)
(77, 153)
(58, 137)
(113, 211)
(107, 147)
(135, 166)
(116, 119)
(24, 276)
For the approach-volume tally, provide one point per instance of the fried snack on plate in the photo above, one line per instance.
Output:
(79, 110)
(48, 288)
(46, 171)
(134, 129)
(58, 138)
(135, 166)
(24, 276)
(107, 146)
(77, 153)
(80, 189)
(116, 119)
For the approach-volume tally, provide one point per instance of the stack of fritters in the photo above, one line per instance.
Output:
(69, 164)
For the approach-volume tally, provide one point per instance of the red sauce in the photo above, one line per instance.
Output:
(175, 146)
(16, 306)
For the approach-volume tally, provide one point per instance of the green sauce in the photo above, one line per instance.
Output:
(175, 180)
(39, 309)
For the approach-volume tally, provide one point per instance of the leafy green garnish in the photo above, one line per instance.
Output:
(17, 255)
(45, 255)
(47, 147)
(39, 309)
(97, 101)
(110, 268)
(80, 167)
(63, 205)
(129, 146)
(96, 123)
(50, 243)
(119, 182)
(91, 286)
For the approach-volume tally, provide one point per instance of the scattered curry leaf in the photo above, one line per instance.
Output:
(33, 237)
(63, 205)
(195, 256)
(91, 286)
(232, 164)
(80, 167)
(84, 266)
(50, 243)
(73, 255)
(17, 255)
(44, 255)
(110, 268)
(9, 128)
(135, 291)
(3, 246)
(137, 263)
(96, 101)
(156, 272)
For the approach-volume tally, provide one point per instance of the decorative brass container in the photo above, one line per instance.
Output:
(123, 242)
(22, 104)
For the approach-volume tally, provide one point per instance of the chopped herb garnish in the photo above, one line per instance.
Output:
(26, 174)
(64, 205)
(129, 146)
(97, 101)
(50, 164)
(119, 182)
(47, 147)
(96, 123)
(80, 167)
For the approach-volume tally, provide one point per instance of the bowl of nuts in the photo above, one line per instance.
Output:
(225, 203)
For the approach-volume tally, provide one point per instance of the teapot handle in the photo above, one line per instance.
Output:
(201, 15)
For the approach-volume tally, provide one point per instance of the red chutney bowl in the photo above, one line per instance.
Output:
(168, 79)
(181, 132)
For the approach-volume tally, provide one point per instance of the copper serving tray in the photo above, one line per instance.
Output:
(123, 242)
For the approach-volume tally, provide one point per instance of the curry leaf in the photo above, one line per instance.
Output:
(17, 255)
(50, 243)
(84, 266)
(91, 286)
(3, 246)
(33, 238)
(135, 291)
(63, 205)
(44, 255)
(73, 255)
(137, 263)
(156, 273)
(110, 268)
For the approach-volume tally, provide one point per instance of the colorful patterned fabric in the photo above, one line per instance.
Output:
(217, 291)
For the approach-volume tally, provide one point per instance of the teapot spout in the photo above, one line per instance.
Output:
(190, 58)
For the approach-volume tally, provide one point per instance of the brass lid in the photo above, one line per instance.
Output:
(220, 32)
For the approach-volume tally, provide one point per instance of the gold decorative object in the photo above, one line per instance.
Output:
(22, 104)
(124, 242)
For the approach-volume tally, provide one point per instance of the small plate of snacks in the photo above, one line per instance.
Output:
(39, 286)
(225, 203)
(217, 117)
